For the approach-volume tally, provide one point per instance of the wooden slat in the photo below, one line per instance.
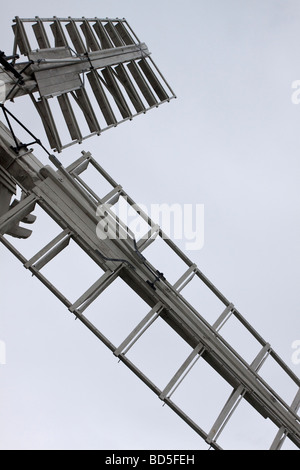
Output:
(59, 34)
(116, 93)
(101, 98)
(84, 103)
(49, 123)
(69, 116)
(129, 87)
(41, 35)
(21, 37)
(76, 38)
(153, 80)
(105, 41)
(124, 33)
(91, 41)
(113, 34)
(142, 84)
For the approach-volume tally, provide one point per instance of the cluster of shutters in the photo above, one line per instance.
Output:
(119, 92)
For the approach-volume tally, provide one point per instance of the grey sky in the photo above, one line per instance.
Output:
(231, 142)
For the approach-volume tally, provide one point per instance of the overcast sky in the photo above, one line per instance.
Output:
(231, 142)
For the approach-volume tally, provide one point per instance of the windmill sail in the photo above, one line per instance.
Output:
(94, 71)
